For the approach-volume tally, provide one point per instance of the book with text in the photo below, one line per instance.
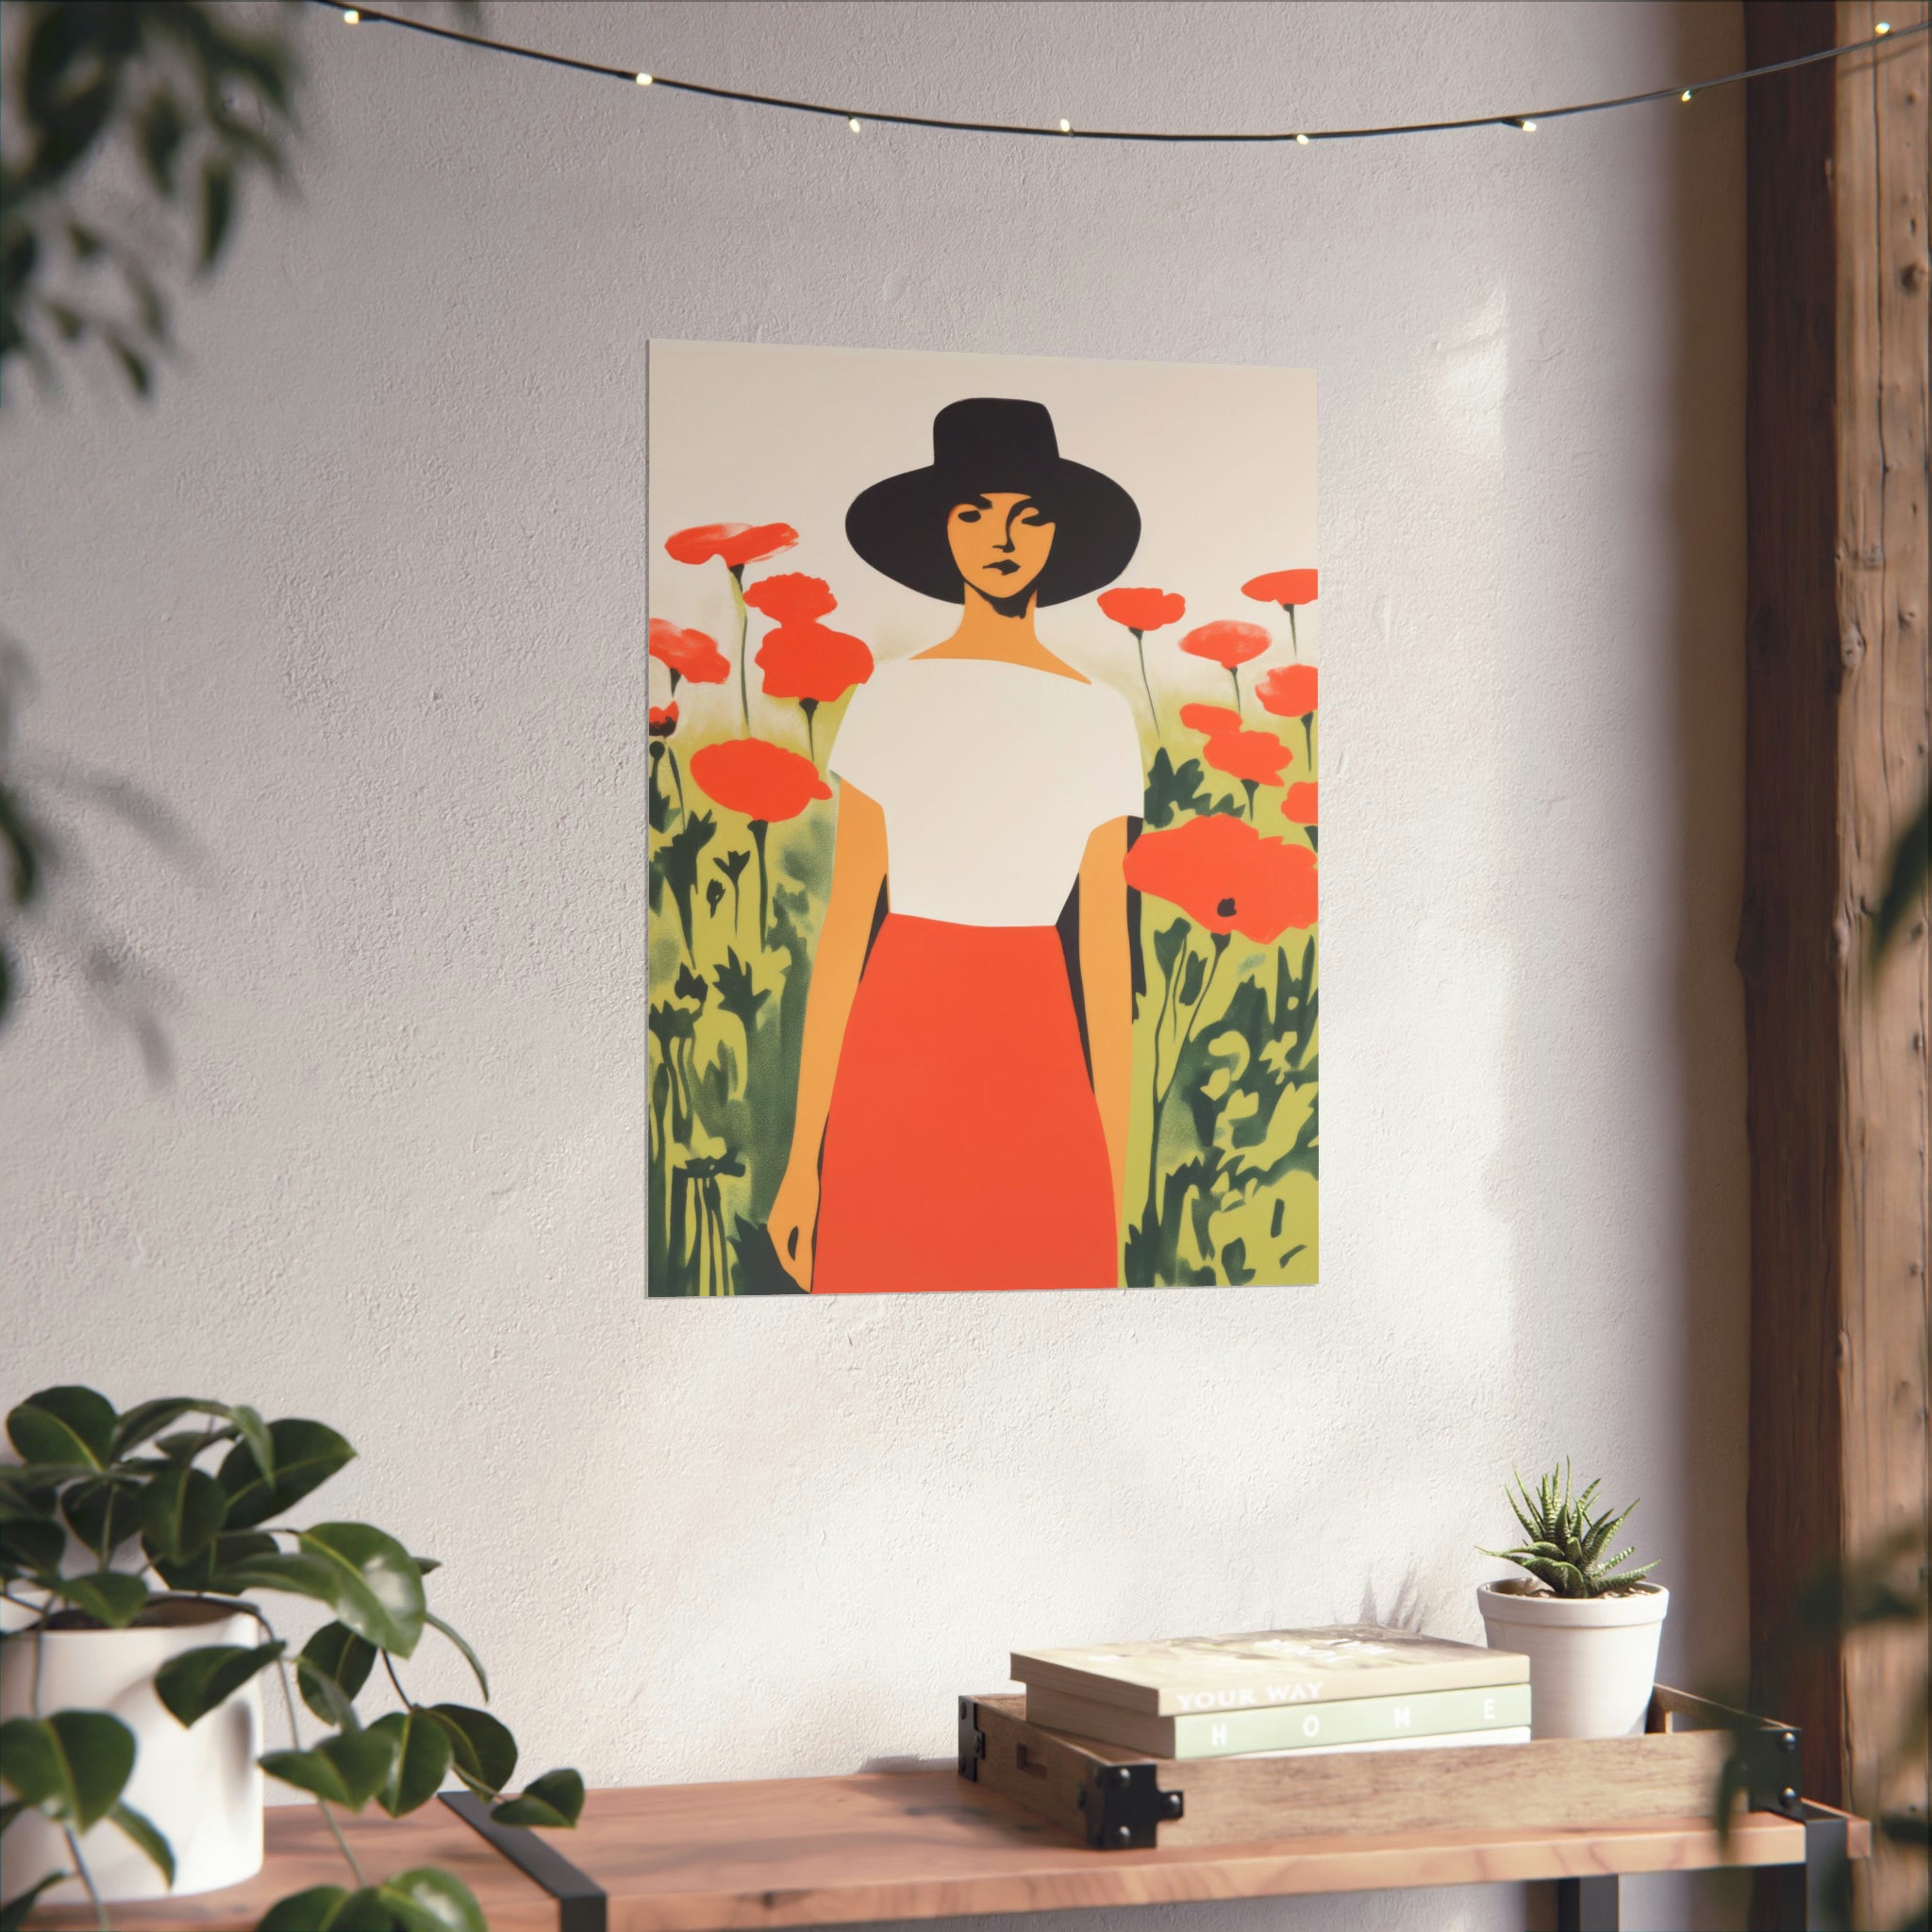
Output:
(1284, 1727)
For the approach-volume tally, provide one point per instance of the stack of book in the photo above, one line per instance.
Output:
(1350, 1686)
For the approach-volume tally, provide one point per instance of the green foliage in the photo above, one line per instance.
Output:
(1911, 861)
(197, 99)
(132, 1482)
(1566, 1546)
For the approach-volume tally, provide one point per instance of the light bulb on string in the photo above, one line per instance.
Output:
(1883, 27)
(644, 80)
(1685, 96)
(853, 124)
(350, 16)
(1301, 140)
(1066, 127)
(1527, 126)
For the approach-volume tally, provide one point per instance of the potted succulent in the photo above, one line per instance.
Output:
(135, 1643)
(1588, 1624)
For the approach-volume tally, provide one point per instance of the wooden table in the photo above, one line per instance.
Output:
(929, 1844)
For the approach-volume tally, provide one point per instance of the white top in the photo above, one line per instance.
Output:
(992, 778)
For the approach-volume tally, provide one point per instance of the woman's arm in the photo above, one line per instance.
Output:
(858, 869)
(1107, 988)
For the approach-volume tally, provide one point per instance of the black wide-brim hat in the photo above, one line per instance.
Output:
(981, 445)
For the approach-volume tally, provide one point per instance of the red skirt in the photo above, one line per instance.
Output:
(963, 1148)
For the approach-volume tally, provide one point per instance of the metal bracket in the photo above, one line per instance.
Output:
(1773, 1770)
(1124, 1807)
(972, 1739)
(581, 1902)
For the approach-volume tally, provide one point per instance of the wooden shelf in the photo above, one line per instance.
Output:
(921, 1844)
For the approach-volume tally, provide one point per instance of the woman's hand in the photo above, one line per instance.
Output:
(795, 1215)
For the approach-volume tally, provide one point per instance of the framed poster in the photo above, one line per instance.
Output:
(983, 823)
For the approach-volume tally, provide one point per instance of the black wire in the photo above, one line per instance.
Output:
(1310, 135)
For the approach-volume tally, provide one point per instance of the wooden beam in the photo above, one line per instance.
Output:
(1839, 721)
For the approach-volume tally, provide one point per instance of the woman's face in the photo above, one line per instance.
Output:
(1000, 543)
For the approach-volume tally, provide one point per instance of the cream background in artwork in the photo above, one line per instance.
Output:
(361, 597)
(1220, 462)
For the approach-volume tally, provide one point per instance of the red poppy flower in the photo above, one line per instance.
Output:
(811, 663)
(663, 720)
(762, 780)
(792, 598)
(689, 652)
(1143, 610)
(1288, 691)
(1227, 642)
(1283, 586)
(1210, 719)
(1299, 806)
(1226, 876)
(733, 545)
(1256, 758)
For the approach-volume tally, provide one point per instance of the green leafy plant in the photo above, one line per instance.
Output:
(130, 1493)
(1565, 1545)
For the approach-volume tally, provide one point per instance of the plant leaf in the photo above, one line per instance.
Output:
(148, 1419)
(326, 1908)
(208, 1571)
(152, 1844)
(378, 1589)
(347, 1769)
(483, 1752)
(102, 1511)
(73, 1766)
(111, 1595)
(470, 1656)
(334, 1661)
(555, 1799)
(182, 1510)
(65, 1424)
(28, 1547)
(15, 1912)
(427, 1900)
(199, 1681)
(304, 1455)
(423, 1757)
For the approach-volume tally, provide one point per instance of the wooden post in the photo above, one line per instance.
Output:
(1838, 726)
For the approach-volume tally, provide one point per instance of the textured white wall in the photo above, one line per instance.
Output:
(362, 598)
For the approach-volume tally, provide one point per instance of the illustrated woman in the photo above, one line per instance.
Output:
(949, 1132)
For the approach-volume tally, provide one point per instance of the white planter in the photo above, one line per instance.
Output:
(1593, 1660)
(201, 1786)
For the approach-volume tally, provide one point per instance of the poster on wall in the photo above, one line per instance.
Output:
(983, 832)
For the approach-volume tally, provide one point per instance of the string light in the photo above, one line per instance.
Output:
(1526, 123)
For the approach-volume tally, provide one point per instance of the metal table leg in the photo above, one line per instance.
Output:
(1587, 1905)
(1816, 1895)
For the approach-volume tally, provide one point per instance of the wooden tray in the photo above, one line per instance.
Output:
(1122, 1800)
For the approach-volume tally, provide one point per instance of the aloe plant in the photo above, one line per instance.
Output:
(102, 1502)
(1566, 1545)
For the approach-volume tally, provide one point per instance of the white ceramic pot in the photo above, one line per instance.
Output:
(1593, 1660)
(200, 1787)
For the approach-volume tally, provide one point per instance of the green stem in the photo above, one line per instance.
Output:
(1294, 643)
(1237, 676)
(737, 572)
(1149, 1217)
(1308, 739)
(321, 1805)
(85, 1878)
(676, 776)
(1250, 786)
(759, 829)
(1153, 709)
(809, 707)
